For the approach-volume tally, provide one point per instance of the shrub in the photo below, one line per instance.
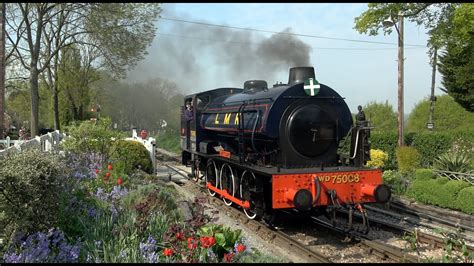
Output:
(408, 159)
(387, 142)
(425, 191)
(91, 137)
(378, 158)
(424, 174)
(465, 200)
(395, 180)
(30, 187)
(131, 155)
(430, 145)
(448, 195)
(453, 161)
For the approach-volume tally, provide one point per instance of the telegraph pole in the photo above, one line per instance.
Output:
(400, 80)
(430, 124)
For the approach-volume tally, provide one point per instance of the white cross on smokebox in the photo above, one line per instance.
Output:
(311, 87)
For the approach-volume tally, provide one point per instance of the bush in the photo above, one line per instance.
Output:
(387, 142)
(378, 158)
(424, 174)
(465, 200)
(430, 145)
(448, 195)
(30, 188)
(425, 191)
(131, 155)
(395, 180)
(91, 137)
(408, 159)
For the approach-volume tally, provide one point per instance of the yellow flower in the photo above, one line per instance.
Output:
(378, 158)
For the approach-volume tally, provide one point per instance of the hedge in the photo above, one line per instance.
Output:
(453, 194)
(429, 144)
(131, 155)
(465, 200)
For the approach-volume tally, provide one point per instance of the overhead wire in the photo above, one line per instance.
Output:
(286, 33)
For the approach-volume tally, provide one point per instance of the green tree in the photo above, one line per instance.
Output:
(120, 31)
(448, 116)
(450, 26)
(381, 116)
(456, 64)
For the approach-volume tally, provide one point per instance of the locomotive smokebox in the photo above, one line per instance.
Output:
(300, 74)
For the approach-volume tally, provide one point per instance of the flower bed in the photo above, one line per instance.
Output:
(105, 215)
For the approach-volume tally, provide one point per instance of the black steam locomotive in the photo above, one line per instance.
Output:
(292, 146)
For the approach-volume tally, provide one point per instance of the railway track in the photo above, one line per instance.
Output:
(373, 246)
(282, 239)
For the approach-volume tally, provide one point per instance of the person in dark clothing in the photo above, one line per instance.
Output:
(360, 117)
(188, 112)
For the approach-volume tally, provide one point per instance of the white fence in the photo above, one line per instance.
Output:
(150, 145)
(47, 143)
(50, 142)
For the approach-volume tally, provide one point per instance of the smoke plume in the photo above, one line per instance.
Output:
(210, 57)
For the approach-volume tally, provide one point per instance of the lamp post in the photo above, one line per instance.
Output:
(390, 23)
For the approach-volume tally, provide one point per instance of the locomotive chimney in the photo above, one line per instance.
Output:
(251, 86)
(300, 74)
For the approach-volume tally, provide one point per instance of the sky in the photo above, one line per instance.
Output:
(201, 57)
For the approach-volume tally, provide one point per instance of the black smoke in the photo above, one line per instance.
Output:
(209, 57)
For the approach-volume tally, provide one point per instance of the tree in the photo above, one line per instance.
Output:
(450, 27)
(456, 64)
(448, 116)
(38, 32)
(381, 116)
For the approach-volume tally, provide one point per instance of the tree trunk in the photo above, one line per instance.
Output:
(34, 101)
(56, 106)
(2, 70)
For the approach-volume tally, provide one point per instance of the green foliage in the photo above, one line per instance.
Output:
(387, 142)
(441, 192)
(430, 145)
(395, 180)
(408, 159)
(448, 116)
(29, 190)
(169, 140)
(465, 200)
(225, 237)
(449, 194)
(378, 158)
(424, 174)
(381, 116)
(131, 155)
(91, 137)
(456, 64)
(454, 162)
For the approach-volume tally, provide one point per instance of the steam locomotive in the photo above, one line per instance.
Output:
(293, 146)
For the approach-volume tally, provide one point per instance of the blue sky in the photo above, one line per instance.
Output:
(360, 76)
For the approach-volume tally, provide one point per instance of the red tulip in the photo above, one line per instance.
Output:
(107, 174)
(96, 171)
(241, 248)
(167, 252)
(180, 236)
(109, 167)
(228, 257)
(119, 181)
(192, 244)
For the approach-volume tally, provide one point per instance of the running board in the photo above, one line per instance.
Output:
(225, 194)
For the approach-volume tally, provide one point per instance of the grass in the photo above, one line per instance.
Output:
(169, 140)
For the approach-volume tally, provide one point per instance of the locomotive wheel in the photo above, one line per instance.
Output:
(211, 175)
(227, 182)
(248, 184)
